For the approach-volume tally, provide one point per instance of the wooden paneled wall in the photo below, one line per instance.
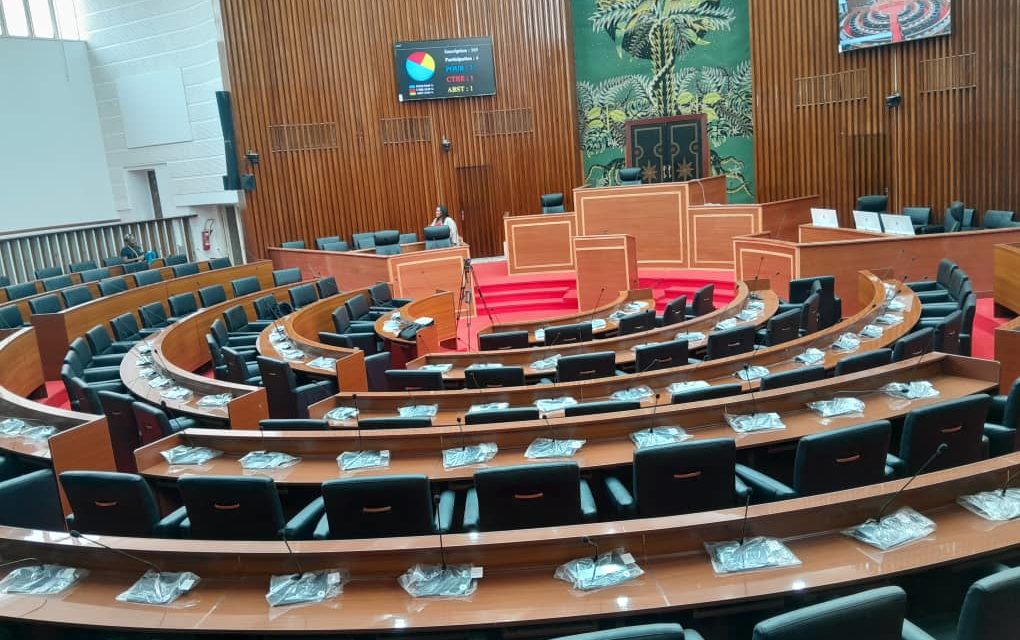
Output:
(822, 125)
(314, 94)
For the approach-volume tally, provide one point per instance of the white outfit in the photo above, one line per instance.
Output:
(452, 224)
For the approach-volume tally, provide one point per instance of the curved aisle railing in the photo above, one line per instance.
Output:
(607, 436)
(518, 588)
(723, 371)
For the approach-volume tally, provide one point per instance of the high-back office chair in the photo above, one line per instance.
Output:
(45, 273)
(31, 501)
(286, 399)
(364, 240)
(339, 246)
(57, 282)
(245, 286)
(384, 507)
(376, 366)
(1003, 420)
(84, 265)
(781, 328)
(146, 277)
(236, 320)
(387, 243)
(174, 260)
(219, 263)
(792, 378)
(113, 261)
(101, 344)
(266, 307)
(946, 338)
(125, 328)
(76, 296)
(913, 345)
(112, 286)
(687, 477)
(863, 361)
(186, 269)
(90, 360)
(920, 218)
(957, 423)
(382, 297)
(515, 414)
(326, 287)
(212, 295)
(283, 277)
(293, 244)
(568, 334)
(359, 310)
(630, 176)
(414, 380)
(45, 304)
(494, 377)
(829, 461)
(874, 204)
(10, 318)
(731, 342)
(953, 292)
(586, 366)
(237, 368)
(320, 243)
(19, 291)
(675, 311)
(943, 278)
(120, 421)
(703, 302)
(878, 614)
(154, 424)
(528, 496)
(231, 508)
(637, 322)
(302, 295)
(989, 608)
(503, 341)
(95, 275)
(116, 504)
(181, 305)
(553, 203)
(438, 237)
(810, 315)
(998, 219)
(664, 355)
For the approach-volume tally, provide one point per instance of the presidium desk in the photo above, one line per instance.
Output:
(671, 224)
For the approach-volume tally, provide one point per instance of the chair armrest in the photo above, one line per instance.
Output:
(1001, 440)
(899, 466)
(182, 423)
(741, 489)
(764, 487)
(925, 285)
(930, 297)
(302, 526)
(170, 526)
(938, 309)
(997, 410)
(102, 374)
(242, 340)
(691, 634)
(380, 309)
(471, 510)
(367, 342)
(258, 325)
(361, 326)
(588, 509)
(185, 528)
(121, 347)
(621, 499)
(399, 302)
(110, 360)
(322, 529)
(444, 511)
(912, 632)
(314, 392)
(788, 306)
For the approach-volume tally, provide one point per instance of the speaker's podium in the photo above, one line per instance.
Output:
(606, 265)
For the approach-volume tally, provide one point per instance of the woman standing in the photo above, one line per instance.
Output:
(443, 219)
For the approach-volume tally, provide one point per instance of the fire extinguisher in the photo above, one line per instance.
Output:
(207, 235)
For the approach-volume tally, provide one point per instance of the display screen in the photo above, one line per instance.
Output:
(874, 23)
(440, 69)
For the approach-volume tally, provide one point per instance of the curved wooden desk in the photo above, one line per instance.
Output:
(518, 588)
(625, 297)
(723, 371)
(417, 451)
(441, 306)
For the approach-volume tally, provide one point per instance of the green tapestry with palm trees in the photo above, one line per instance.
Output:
(639, 59)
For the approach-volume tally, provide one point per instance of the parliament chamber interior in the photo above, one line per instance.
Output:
(509, 319)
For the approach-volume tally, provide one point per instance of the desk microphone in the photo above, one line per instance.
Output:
(442, 545)
(460, 430)
(595, 555)
(293, 556)
(549, 428)
(757, 272)
(750, 388)
(74, 533)
(744, 522)
(595, 309)
(1009, 480)
(939, 451)
(655, 407)
(357, 419)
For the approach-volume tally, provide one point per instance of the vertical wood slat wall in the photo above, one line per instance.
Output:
(954, 137)
(331, 61)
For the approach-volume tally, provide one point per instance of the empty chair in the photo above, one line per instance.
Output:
(707, 393)
(150, 276)
(94, 275)
(731, 342)
(414, 380)
(946, 338)
(528, 496)
(343, 324)
(19, 291)
(811, 314)
(286, 399)
(31, 501)
(664, 355)
(236, 319)
(135, 267)
(116, 504)
(675, 479)
(957, 423)
(231, 508)
(212, 295)
(302, 295)
(293, 244)
(997, 219)
(57, 282)
(83, 396)
(395, 422)
(943, 276)
(219, 332)
(320, 243)
(959, 218)
(174, 260)
(382, 297)
(954, 291)
(515, 414)
(438, 237)
(125, 329)
(675, 311)
(363, 240)
(326, 287)
(154, 424)
(503, 341)
(829, 461)
(10, 317)
(387, 243)
(283, 277)
(293, 425)
(586, 366)
(781, 328)
(920, 218)
(112, 286)
(595, 408)
(45, 273)
(339, 245)
(494, 377)
(182, 304)
(237, 368)
(630, 176)
(80, 346)
(829, 307)
(266, 307)
(568, 334)
(187, 269)
(376, 366)
(76, 296)
(552, 203)
(384, 507)
(877, 615)
(84, 265)
(637, 322)
(358, 309)
(367, 342)
(1003, 420)
(153, 316)
(101, 343)
(408, 238)
(913, 345)
(245, 286)
(863, 361)
(45, 304)
(875, 203)
(703, 302)
(989, 609)
(792, 378)
(219, 263)
(120, 421)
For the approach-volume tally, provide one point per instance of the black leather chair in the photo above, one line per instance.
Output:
(10, 317)
(707, 393)
(637, 322)
(703, 302)
(175, 260)
(116, 504)
(93, 373)
(998, 219)
(395, 422)
(82, 396)
(658, 631)
(90, 360)
(943, 276)
(731, 342)
(212, 295)
(343, 324)
(630, 176)
(408, 238)
(153, 316)
(224, 338)
(147, 277)
(101, 344)
(358, 309)
(387, 243)
(586, 366)
(515, 414)
(245, 286)
(285, 397)
(231, 508)
(239, 368)
(1003, 420)
(31, 501)
(320, 243)
(675, 311)
(528, 496)
(125, 329)
(120, 421)
(438, 237)
(494, 377)
(674, 479)
(946, 338)
(326, 287)
(219, 263)
(568, 334)
(957, 423)
(873, 203)
(364, 240)
(792, 378)
(266, 307)
(187, 269)
(95, 275)
(605, 406)
(339, 246)
(76, 296)
(84, 265)
(920, 218)
(4, 281)
(135, 267)
(664, 355)
(45, 304)
(283, 277)
(954, 292)
(376, 366)
(236, 319)
(552, 203)
(989, 609)
(913, 345)
(44, 273)
(829, 307)
(878, 614)
(830, 461)
(863, 361)
(293, 425)
(154, 424)
(781, 328)
(384, 507)
(414, 380)
(293, 244)
(19, 291)
(503, 341)
(57, 282)
(113, 286)
(367, 342)
(181, 305)
(382, 297)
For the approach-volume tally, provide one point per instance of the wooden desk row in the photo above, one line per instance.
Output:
(518, 588)
(607, 436)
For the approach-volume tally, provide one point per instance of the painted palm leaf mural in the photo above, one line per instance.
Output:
(655, 58)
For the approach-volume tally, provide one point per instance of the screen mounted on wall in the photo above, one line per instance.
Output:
(874, 23)
(441, 69)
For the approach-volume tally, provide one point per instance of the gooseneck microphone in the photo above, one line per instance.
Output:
(439, 530)
(78, 535)
(598, 300)
(938, 452)
(747, 513)
(293, 556)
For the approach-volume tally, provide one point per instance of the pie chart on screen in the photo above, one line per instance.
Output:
(420, 66)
